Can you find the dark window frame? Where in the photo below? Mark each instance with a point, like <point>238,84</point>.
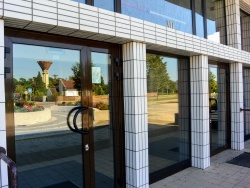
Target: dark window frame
<point>228,108</point>
<point>170,170</point>
<point>118,9</point>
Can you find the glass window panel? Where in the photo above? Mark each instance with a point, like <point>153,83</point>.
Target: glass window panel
<point>216,30</point>
<point>199,18</point>
<point>244,23</point>
<point>103,130</point>
<point>168,111</point>
<point>80,1</point>
<point>105,4</point>
<point>246,90</point>
<point>163,12</point>
<point>217,107</point>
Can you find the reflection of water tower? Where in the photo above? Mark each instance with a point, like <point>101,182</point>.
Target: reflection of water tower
<point>45,65</point>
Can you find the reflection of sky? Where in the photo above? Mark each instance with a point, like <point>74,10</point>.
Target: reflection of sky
<point>159,12</point>
<point>199,25</point>
<point>80,1</point>
<point>211,27</point>
<point>105,4</point>
<point>172,68</point>
<point>26,57</point>
<point>214,71</point>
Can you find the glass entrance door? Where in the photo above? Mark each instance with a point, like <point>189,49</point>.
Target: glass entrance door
<point>102,126</point>
<point>48,82</point>
<point>45,88</point>
<point>218,107</point>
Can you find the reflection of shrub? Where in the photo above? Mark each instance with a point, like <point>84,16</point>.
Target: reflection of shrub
<point>31,107</point>
<point>78,103</point>
<point>23,103</point>
<point>102,105</point>
<point>51,98</point>
<point>70,104</point>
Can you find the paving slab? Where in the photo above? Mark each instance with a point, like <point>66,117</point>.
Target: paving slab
<point>219,174</point>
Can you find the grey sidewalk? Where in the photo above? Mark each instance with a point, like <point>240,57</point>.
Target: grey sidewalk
<point>219,174</point>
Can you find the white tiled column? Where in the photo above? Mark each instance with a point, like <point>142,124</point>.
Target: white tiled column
<point>247,100</point>
<point>236,96</point>
<point>2,104</point>
<point>233,23</point>
<point>199,111</point>
<point>135,109</point>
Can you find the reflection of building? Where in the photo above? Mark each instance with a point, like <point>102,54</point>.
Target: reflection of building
<point>45,65</point>
<point>51,91</point>
<point>66,88</point>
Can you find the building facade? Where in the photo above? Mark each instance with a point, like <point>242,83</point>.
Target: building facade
<point>164,85</point>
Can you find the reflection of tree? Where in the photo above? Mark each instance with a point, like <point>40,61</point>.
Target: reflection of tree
<point>19,89</point>
<point>98,89</point>
<point>213,83</point>
<point>36,83</point>
<point>157,76</point>
<point>76,76</point>
<point>21,85</point>
<point>173,86</point>
<point>39,85</point>
<point>54,82</point>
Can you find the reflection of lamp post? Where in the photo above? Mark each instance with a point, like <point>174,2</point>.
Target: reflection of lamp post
<point>33,88</point>
<point>25,92</point>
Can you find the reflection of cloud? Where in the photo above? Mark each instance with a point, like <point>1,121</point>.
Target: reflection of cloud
<point>214,37</point>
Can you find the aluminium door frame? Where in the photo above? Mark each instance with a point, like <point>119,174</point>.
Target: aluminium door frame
<point>85,47</point>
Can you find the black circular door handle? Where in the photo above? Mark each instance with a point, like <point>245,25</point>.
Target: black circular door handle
<point>81,131</point>
<point>69,114</point>
<point>75,128</point>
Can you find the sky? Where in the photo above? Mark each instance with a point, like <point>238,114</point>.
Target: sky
<point>26,57</point>
<point>172,68</point>
<point>26,66</point>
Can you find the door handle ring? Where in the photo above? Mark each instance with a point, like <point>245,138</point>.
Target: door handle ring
<point>69,114</point>
<point>81,131</point>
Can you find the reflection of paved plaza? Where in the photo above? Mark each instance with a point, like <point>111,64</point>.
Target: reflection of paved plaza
<point>49,153</point>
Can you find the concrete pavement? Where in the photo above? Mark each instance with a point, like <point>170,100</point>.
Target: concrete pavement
<point>219,175</point>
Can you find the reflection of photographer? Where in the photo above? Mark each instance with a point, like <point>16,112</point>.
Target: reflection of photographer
<point>213,112</point>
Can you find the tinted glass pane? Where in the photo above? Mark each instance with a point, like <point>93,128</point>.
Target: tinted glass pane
<point>168,111</point>
<point>199,18</point>
<point>105,4</point>
<point>216,21</point>
<point>244,23</point>
<point>80,1</point>
<point>217,107</point>
<point>162,12</point>
<point>246,82</point>
<point>47,152</point>
<point>103,128</point>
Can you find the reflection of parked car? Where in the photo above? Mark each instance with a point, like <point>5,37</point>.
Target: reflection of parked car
<point>213,112</point>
